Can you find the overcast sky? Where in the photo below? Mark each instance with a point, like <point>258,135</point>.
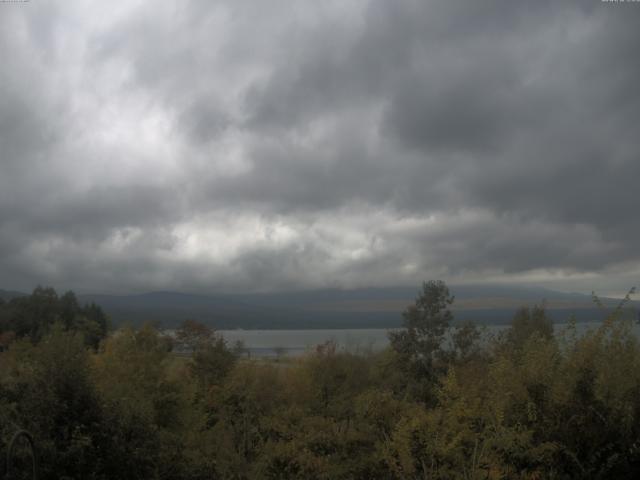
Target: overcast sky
<point>274,145</point>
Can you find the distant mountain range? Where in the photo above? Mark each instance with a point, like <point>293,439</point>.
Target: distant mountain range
<point>9,294</point>
<point>334,308</point>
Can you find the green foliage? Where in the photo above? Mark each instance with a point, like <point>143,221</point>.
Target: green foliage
<point>211,359</point>
<point>527,322</point>
<point>147,406</point>
<point>192,334</point>
<point>466,341</point>
<point>440,403</point>
<point>212,362</point>
<point>425,323</point>
<point>34,315</point>
<point>419,344</point>
<point>47,389</point>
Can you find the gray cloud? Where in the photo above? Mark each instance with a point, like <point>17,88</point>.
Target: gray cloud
<point>245,145</point>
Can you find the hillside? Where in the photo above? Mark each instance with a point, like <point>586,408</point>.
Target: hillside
<point>8,294</point>
<point>333,308</point>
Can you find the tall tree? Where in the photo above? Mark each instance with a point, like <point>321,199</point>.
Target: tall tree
<point>419,343</point>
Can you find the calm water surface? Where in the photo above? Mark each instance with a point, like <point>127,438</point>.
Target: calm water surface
<point>267,343</point>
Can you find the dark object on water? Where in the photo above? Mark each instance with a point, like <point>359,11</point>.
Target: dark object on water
<point>21,434</point>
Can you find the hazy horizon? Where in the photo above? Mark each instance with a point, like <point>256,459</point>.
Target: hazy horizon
<point>203,292</point>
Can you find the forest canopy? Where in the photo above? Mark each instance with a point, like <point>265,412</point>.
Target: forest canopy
<point>442,401</point>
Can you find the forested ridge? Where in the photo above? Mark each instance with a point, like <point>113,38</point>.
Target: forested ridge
<point>444,401</point>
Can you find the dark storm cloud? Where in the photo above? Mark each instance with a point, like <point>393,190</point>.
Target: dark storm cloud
<point>96,211</point>
<point>383,142</point>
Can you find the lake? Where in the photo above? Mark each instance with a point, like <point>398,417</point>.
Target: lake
<point>270,343</point>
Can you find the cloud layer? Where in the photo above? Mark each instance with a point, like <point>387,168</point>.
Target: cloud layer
<point>248,145</point>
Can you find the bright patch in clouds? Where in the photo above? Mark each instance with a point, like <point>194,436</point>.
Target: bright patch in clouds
<point>246,145</point>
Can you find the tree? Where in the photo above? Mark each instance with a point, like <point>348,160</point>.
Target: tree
<point>47,389</point>
<point>211,358</point>
<point>419,344</point>
<point>465,340</point>
<point>144,407</point>
<point>212,361</point>
<point>191,334</point>
<point>34,315</point>
<point>528,321</point>
<point>425,323</point>
<point>93,323</point>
